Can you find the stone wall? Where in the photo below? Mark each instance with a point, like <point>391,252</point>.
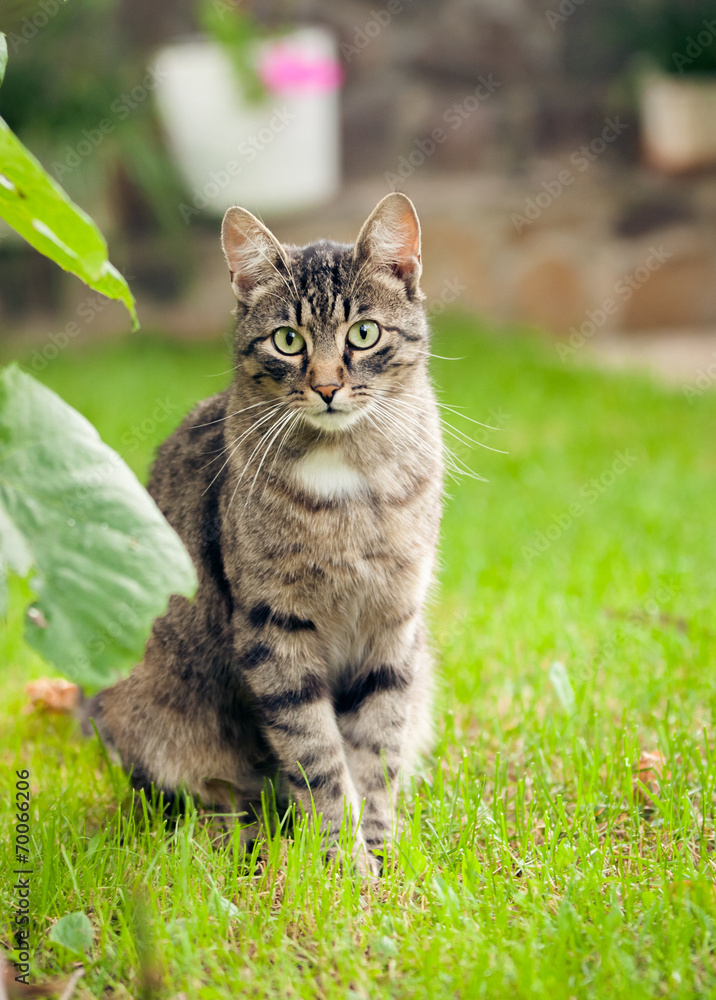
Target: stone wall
<point>627,253</point>
<point>409,62</point>
<point>613,251</point>
<point>494,115</point>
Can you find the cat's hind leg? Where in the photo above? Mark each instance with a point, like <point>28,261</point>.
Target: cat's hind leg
<point>176,747</point>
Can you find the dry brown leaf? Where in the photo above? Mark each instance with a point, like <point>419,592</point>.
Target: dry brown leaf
<point>52,694</point>
<point>649,771</point>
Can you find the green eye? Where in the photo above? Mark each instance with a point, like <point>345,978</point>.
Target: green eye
<point>364,334</point>
<point>288,341</point>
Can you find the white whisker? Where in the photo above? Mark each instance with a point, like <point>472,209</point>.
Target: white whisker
<point>263,402</point>
<point>241,436</point>
<point>455,431</point>
<point>292,423</point>
<point>288,268</point>
<point>397,421</point>
<point>353,293</point>
<point>281,425</point>
<point>453,410</point>
<point>413,414</point>
<point>236,444</point>
<point>251,457</point>
<point>441,357</point>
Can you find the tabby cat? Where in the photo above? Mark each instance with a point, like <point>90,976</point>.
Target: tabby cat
<point>308,495</point>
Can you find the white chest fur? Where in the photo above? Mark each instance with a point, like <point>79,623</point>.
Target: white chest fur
<point>324,473</point>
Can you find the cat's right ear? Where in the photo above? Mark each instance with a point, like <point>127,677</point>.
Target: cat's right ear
<point>252,252</point>
<point>390,240</point>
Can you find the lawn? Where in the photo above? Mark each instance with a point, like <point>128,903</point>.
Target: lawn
<point>559,842</point>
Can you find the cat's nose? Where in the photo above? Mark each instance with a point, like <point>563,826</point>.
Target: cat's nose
<point>326,392</point>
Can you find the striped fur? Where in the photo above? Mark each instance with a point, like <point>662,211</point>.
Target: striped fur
<point>313,528</point>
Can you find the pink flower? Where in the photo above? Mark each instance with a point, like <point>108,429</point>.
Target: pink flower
<point>285,66</point>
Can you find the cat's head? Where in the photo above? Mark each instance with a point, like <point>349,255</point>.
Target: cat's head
<point>328,327</point>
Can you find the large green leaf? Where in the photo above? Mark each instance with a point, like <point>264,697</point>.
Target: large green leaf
<point>37,207</point>
<point>3,56</point>
<point>103,559</point>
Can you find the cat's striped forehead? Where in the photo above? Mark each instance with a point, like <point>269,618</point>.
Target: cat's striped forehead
<point>323,274</point>
<point>324,287</point>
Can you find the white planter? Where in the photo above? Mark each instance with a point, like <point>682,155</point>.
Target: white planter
<point>278,155</point>
<point>678,120</point>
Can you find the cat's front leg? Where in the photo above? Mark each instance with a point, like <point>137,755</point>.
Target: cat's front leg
<point>384,716</point>
<point>298,720</point>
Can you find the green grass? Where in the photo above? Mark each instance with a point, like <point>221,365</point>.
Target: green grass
<point>532,864</point>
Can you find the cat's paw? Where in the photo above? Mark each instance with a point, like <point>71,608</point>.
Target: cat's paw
<point>366,863</point>
<point>360,860</point>
<point>377,832</point>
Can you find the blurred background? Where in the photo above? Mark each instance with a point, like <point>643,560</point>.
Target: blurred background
<point>561,154</point>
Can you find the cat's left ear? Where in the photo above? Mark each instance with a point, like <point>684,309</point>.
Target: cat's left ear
<point>390,240</point>
<point>253,253</point>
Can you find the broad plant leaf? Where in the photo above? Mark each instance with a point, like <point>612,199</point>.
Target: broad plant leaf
<point>36,206</point>
<point>3,56</point>
<point>74,932</point>
<point>102,559</point>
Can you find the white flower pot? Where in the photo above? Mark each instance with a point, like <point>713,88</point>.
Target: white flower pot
<point>678,120</point>
<point>278,155</point>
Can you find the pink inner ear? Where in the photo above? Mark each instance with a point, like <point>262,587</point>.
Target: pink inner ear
<point>234,247</point>
<point>410,231</point>
<point>249,252</point>
<point>395,240</point>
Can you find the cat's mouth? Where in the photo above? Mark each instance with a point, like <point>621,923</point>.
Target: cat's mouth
<point>331,418</point>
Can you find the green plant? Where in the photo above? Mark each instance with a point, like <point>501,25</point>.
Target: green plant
<point>37,208</point>
<point>87,110</point>
<point>669,32</point>
<point>101,559</point>
<point>666,33</point>
<point>238,32</point>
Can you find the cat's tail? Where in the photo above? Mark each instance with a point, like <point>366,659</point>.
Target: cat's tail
<point>90,715</point>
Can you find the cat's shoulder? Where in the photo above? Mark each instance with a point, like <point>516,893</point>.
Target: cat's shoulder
<point>190,449</point>
<point>207,416</point>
